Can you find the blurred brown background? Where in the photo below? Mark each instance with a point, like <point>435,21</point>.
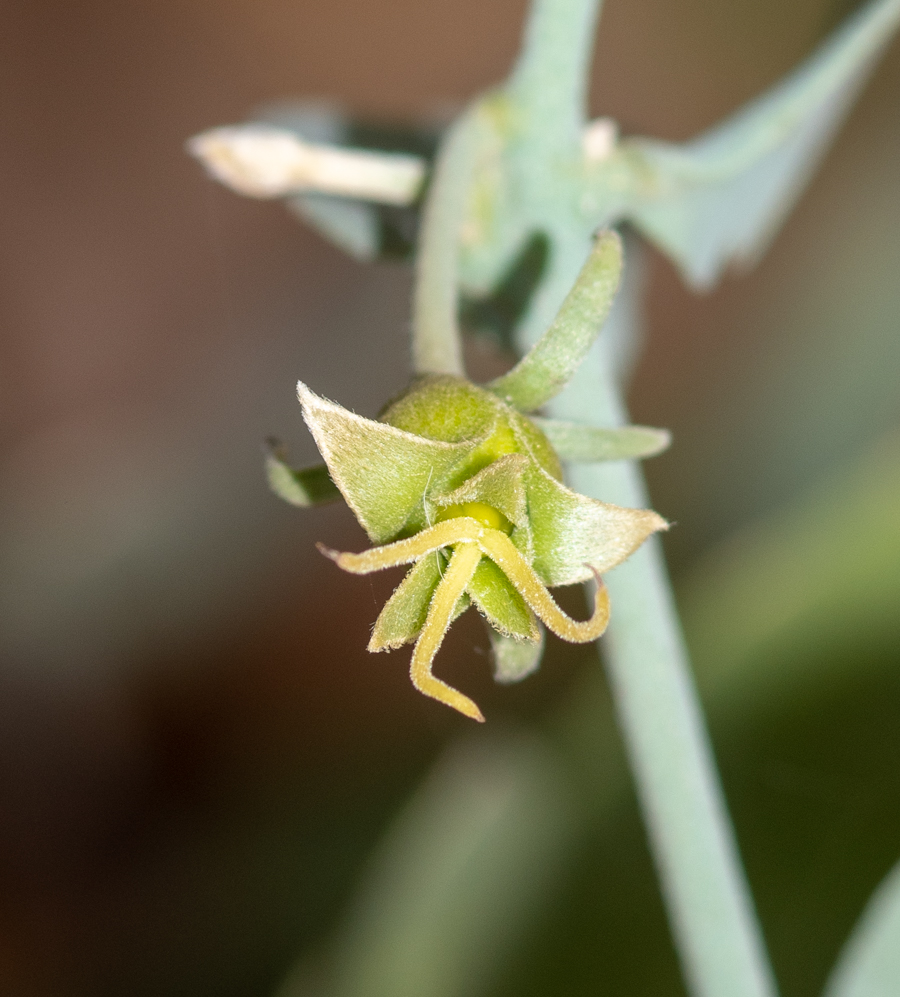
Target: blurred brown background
<point>195,748</point>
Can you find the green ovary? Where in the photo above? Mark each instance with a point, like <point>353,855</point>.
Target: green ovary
<point>480,511</point>
<point>441,407</point>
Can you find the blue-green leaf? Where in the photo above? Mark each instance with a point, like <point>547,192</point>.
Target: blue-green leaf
<point>353,226</point>
<point>869,965</point>
<point>722,196</point>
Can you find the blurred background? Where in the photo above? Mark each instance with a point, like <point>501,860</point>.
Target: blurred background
<point>196,752</point>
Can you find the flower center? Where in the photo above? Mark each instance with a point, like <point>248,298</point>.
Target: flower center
<point>485,514</point>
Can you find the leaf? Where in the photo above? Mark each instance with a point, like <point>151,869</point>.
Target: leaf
<point>382,471</point>
<point>501,604</point>
<point>260,160</point>
<point>572,531</point>
<point>576,442</point>
<point>353,226</point>
<point>514,659</point>
<point>403,616</point>
<point>773,584</point>
<point>314,120</point>
<point>305,487</point>
<point>548,366</point>
<point>869,965</point>
<point>458,875</point>
<point>722,196</point>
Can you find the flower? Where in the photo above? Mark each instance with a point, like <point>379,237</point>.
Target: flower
<point>457,481</point>
<point>469,491</point>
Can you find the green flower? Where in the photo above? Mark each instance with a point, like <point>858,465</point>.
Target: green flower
<point>456,481</point>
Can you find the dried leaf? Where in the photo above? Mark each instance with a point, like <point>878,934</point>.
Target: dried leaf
<point>265,161</point>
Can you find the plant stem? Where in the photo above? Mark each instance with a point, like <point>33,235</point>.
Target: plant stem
<point>435,342</point>
<point>552,74</point>
<point>709,904</point>
<point>708,900</point>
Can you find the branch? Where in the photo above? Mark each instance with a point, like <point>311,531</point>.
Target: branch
<point>436,341</point>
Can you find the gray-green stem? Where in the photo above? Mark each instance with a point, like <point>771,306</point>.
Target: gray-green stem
<point>709,903</point>
<point>710,908</point>
<point>552,75</point>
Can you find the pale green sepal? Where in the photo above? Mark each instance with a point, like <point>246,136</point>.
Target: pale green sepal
<point>721,196</point>
<point>586,444</point>
<point>305,487</point>
<point>500,603</point>
<point>382,472</point>
<point>549,365</point>
<point>500,485</point>
<point>869,965</point>
<point>572,531</point>
<point>514,659</point>
<point>403,616</point>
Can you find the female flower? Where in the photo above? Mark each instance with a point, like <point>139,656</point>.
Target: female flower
<point>456,481</point>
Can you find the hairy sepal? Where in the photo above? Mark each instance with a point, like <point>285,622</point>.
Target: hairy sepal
<point>586,444</point>
<point>574,533</point>
<point>515,659</point>
<point>550,364</point>
<point>501,605</point>
<point>382,472</point>
<point>304,487</point>
<point>403,616</point>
